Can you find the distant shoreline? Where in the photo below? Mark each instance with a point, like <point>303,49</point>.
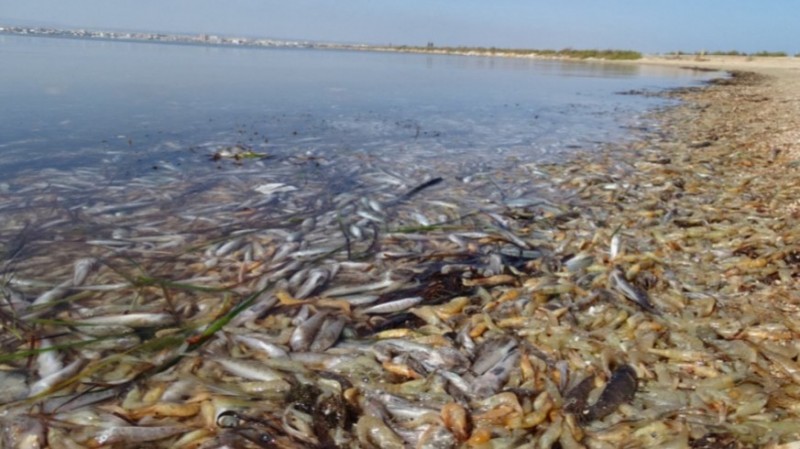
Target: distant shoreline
<point>688,61</point>
<point>609,55</point>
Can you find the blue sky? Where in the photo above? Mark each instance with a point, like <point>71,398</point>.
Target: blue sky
<point>646,25</point>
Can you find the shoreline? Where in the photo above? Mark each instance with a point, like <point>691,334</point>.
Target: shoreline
<point>714,195</point>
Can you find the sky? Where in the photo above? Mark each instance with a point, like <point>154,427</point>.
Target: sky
<point>650,26</point>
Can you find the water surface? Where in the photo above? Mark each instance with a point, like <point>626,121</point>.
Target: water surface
<point>102,142</point>
<point>129,106</point>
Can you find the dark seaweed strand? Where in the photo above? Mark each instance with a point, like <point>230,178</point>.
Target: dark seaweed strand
<point>419,188</point>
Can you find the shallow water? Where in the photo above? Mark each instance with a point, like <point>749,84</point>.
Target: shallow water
<point>98,136</point>
<point>128,106</point>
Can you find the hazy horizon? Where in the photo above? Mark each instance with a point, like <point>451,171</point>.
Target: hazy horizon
<point>712,25</point>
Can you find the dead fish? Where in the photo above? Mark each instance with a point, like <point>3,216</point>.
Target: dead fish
<point>631,292</point>
<point>48,361</point>
<point>284,251</point>
<point>346,290</point>
<point>431,358</point>
<point>248,369</point>
<point>579,262</point>
<point>134,320</point>
<point>615,248</point>
<point>101,437</point>
<point>328,333</point>
<point>228,247</point>
<point>621,389</point>
<point>304,334</point>
<point>492,352</point>
<point>394,306</point>
<point>54,294</point>
<point>82,269</point>
<point>398,407</point>
<point>356,232</point>
<point>44,384</point>
<point>316,278</point>
<point>490,382</point>
<point>264,347</point>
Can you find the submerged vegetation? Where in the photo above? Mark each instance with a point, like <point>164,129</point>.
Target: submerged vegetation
<point>609,54</point>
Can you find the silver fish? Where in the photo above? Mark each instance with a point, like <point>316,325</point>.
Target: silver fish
<point>491,381</point>
<point>249,369</point>
<point>82,269</point>
<point>303,335</point>
<point>328,333</point>
<point>393,306</point>
<point>630,291</point>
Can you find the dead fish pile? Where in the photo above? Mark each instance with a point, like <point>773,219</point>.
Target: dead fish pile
<point>619,303</point>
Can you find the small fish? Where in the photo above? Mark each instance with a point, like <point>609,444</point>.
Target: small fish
<point>264,347</point>
<point>492,352</point>
<point>328,333</point>
<point>48,382</point>
<point>82,269</point>
<point>394,306</point>
<point>430,358</point>
<point>248,369</point>
<point>134,320</point>
<point>632,292</point>
<point>490,382</point>
<point>369,216</point>
<point>579,262</point>
<point>376,206</point>
<point>228,247</point>
<point>621,389</point>
<point>304,334</point>
<point>356,232</point>
<point>54,294</point>
<point>316,278</point>
<point>128,436</point>
<point>48,361</point>
<point>616,247</point>
<point>347,290</point>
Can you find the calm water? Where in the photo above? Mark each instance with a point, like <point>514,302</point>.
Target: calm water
<point>128,107</point>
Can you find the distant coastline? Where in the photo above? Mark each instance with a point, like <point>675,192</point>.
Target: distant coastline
<point>198,39</point>
<point>227,41</point>
<point>249,42</point>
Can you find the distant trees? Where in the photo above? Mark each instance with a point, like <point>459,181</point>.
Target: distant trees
<point>563,53</point>
<point>776,54</point>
